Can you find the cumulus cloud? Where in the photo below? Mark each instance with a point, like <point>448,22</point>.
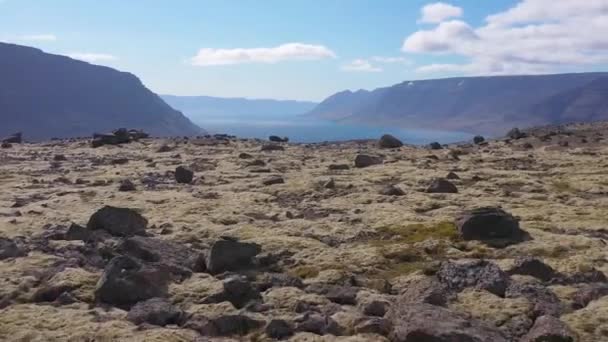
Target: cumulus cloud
<point>534,36</point>
<point>285,52</point>
<point>92,57</point>
<point>360,65</point>
<point>438,12</point>
<point>37,38</point>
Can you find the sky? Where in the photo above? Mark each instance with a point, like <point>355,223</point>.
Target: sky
<point>308,50</point>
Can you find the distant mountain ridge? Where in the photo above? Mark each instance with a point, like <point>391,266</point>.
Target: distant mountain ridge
<point>46,95</point>
<point>204,107</point>
<point>475,104</point>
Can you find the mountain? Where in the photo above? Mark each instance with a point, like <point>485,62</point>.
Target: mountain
<point>487,105</point>
<point>200,108</point>
<point>45,95</point>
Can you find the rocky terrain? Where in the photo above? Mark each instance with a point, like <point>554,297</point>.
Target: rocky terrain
<point>217,238</point>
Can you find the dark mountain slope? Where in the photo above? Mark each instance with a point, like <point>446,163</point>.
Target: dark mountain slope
<point>471,104</point>
<point>47,95</point>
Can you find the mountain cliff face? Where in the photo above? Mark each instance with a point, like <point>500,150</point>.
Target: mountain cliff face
<point>205,107</point>
<point>45,95</point>
<point>476,104</point>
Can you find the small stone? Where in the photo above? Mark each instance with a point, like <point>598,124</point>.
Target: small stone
<point>392,190</point>
<point>273,180</point>
<point>275,138</point>
<point>478,139</point>
<point>336,167</point>
<point>452,175</point>
<point>227,255</point>
<point>156,311</point>
<point>118,221</point>
<point>442,186</point>
<point>279,329</point>
<point>364,160</point>
<point>126,185</point>
<point>435,146</point>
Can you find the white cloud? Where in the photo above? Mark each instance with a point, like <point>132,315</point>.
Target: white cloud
<point>92,57</point>
<point>391,60</point>
<point>289,51</point>
<point>535,36</point>
<point>37,38</point>
<point>360,65</point>
<point>438,12</point>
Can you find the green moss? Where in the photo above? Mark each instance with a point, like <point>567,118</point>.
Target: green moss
<point>402,269</point>
<point>420,232</point>
<point>305,272</point>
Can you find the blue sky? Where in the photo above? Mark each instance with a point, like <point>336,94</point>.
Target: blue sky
<point>311,49</point>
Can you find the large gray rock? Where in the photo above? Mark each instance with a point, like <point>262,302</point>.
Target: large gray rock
<point>126,281</point>
<point>228,255</point>
<point>10,249</point>
<point>183,175</point>
<point>118,221</point>
<point>544,301</point>
<point>156,311</point>
<point>479,274</point>
<point>426,290</point>
<point>430,323</point>
<point>549,329</point>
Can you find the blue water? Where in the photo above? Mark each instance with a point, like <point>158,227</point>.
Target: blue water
<point>306,130</point>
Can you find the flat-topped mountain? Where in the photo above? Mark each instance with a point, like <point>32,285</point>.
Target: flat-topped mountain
<point>47,95</point>
<point>475,104</point>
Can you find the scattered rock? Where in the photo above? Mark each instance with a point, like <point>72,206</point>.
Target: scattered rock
<point>228,255</point>
<point>183,175</point>
<point>126,185</point>
<point>452,175</point>
<point>392,190</point>
<point>329,184</point>
<point>344,295</point>
<point>543,299</point>
<point>488,223</point>
<point>589,293</point>
<point>373,325</point>
<point>533,267</point>
<point>441,186</point>
<point>118,221</point>
<point>238,291</point>
<point>126,282</point>
<point>272,147</point>
<point>278,139</point>
<point>389,141</point>
<point>265,281</point>
<point>336,167</point>
<point>364,160</point>
<point>425,322</point>
<point>479,274</point>
<point>377,308</point>
<point>426,290</point>
<point>59,157</point>
<point>156,311</point>
<point>318,324</point>
<point>117,137</point>
<point>10,249</point>
<point>6,145</point>
<point>245,156</point>
<point>435,146</point>
<point>227,325</point>
<point>478,139</point>
<point>549,329</point>
<point>272,180</point>
<point>279,329</point>
<point>515,134</point>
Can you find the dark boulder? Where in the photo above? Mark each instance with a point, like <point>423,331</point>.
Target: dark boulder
<point>126,185</point>
<point>478,139</point>
<point>549,329</point>
<point>227,325</point>
<point>478,274</point>
<point>183,175</point>
<point>118,221</point>
<point>318,324</point>
<point>155,311</point>
<point>488,223</point>
<point>228,255</point>
<point>6,145</point>
<point>279,329</point>
<point>239,291</point>
<point>278,139</point>
<point>59,157</point>
<point>16,138</point>
<point>389,141</point>
<point>344,295</point>
<point>430,323</point>
<point>544,301</point>
<point>10,249</point>
<point>441,186</point>
<point>435,146</point>
<point>364,160</point>
<point>452,175</point>
<point>373,325</point>
<point>126,281</point>
<point>533,267</point>
<point>245,156</point>
<point>337,167</point>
